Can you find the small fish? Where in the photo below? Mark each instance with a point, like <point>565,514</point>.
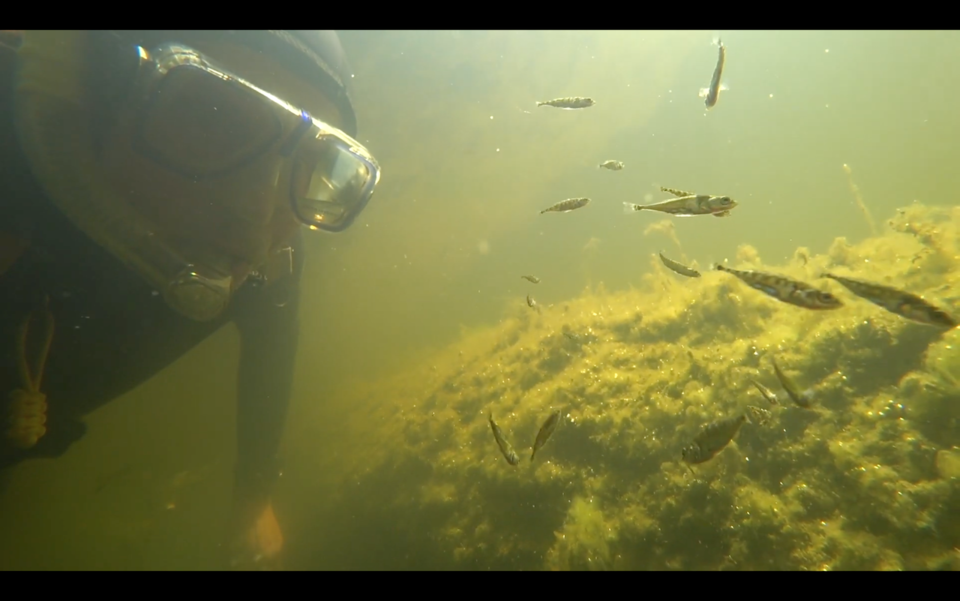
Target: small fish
<point>531,278</point>
<point>611,165</point>
<point>508,453</point>
<point>687,204</point>
<point>786,290</point>
<point>565,206</point>
<point>712,439</point>
<point>712,94</point>
<point>897,301</point>
<point>570,334</point>
<point>801,398</point>
<point>533,304</point>
<point>678,268</point>
<point>765,392</point>
<point>758,415</point>
<point>575,102</point>
<point>546,430</point>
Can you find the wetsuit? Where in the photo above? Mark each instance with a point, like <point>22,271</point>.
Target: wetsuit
<point>114,332</point>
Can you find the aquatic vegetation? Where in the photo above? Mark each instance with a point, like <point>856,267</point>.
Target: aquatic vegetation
<point>866,478</point>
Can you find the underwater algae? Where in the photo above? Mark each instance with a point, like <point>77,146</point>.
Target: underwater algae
<point>867,478</point>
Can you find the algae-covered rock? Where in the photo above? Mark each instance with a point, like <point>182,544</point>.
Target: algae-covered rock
<point>865,478</point>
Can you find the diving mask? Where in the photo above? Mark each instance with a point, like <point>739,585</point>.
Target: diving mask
<point>193,128</point>
<point>202,122</point>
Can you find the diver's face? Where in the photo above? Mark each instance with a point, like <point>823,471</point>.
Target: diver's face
<point>240,219</point>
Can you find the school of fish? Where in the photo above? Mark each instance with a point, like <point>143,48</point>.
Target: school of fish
<point>716,435</point>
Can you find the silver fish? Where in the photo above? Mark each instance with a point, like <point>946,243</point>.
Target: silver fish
<point>801,398</point>
<point>508,453</point>
<point>765,392</point>
<point>546,430</point>
<point>531,278</point>
<point>786,290</point>
<point>611,165</point>
<point>565,206</point>
<point>712,439</point>
<point>687,204</point>
<point>533,304</point>
<point>712,94</point>
<point>573,102</point>
<point>897,301</point>
<point>678,268</point>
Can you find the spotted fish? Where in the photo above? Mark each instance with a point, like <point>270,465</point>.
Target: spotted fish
<point>546,431</point>
<point>896,301</point>
<point>786,290</point>
<point>678,268</point>
<point>712,439</point>
<point>573,102</point>
<point>687,204</point>
<point>758,415</point>
<point>565,206</point>
<point>505,447</point>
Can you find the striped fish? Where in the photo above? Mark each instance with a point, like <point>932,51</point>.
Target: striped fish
<point>786,290</point>
<point>897,301</point>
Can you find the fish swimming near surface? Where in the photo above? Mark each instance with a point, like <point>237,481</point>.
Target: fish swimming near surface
<point>565,206</point>
<point>611,165</point>
<point>900,302</point>
<point>803,398</point>
<point>687,204</point>
<point>546,431</point>
<point>570,103</point>
<point>712,439</point>
<point>712,94</point>
<point>784,289</point>
<point>531,278</point>
<point>678,268</point>
<point>505,447</point>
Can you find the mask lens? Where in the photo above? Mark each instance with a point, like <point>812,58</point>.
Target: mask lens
<point>332,184</point>
<point>200,125</point>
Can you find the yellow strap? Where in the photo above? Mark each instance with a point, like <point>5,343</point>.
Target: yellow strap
<point>32,381</point>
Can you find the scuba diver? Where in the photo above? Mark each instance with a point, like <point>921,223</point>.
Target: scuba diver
<point>155,185</point>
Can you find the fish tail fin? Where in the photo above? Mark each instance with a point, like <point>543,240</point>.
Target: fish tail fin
<point>629,207</point>
<point>540,103</point>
